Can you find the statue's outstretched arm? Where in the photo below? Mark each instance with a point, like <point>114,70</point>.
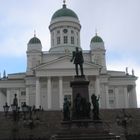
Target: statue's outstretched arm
<point>73,56</point>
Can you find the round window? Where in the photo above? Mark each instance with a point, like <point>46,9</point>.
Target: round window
<point>65,31</point>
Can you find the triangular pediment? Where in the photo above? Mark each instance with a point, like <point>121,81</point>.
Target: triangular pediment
<point>64,63</point>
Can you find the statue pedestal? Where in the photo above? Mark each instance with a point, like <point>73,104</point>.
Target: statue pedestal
<point>80,126</point>
<point>80,96</point>
<point>80,85</point>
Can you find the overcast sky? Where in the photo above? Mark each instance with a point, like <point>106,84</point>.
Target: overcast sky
<point>116,21</point>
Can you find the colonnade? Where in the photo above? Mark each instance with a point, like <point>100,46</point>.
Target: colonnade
<point>127,96</point>
<point>49,93</point>
<point>60,92</point>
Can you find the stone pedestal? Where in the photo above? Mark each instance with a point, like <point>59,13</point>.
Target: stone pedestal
<point>80,86</point>
<point>80,96</point>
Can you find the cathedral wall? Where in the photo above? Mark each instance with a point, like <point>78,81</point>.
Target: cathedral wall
<point>118,97</point>
<point>67,90</point>
<point>91,86</point>
<point>111,95</point>
<point>46,57</point>
<point>32,92</point>
<point>121,97</point>
<point>103,101</point>
<point>2,100</point>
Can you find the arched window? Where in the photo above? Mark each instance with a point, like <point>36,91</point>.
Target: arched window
<point>72,39</point>
<point>65,39</point>
<point>58,40</point>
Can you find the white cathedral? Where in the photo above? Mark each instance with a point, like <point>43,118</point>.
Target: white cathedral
<point>47,78</point>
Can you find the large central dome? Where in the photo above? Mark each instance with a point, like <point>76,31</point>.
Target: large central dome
<point>65,30</point>
<point>64,12</point>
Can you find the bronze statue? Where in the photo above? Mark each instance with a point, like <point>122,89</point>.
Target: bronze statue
<point>78,59</point>
<point>95,103</point>
<point>15,100</point>
<point>78,105</point>
<point>81,107</point>
<point>66,109</point>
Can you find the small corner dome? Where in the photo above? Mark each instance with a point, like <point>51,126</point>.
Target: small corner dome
<point>34,44</point>
<point>64,12</point>
<point>97,39</point>
<point>34,40</point>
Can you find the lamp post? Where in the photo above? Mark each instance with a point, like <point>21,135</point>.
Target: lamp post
<point>28,122</point>
<point>31,122</point>
<point>15,108</point>
<point>123,120</point>
<point>6,109</point>
<point>24,109</point>
<point>28,115</point>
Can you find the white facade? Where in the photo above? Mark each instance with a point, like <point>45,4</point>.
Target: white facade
<point>48,75</point>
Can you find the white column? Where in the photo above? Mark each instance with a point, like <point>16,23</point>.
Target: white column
<point>49,99</point>
<point>8,97</point>
<point>107,96</point>
<point>18,92</point>
<point>61,92</point>
<point>116,97</point>
<point>27,95</point>
<point>125,97</point>
<point>37,97</point>
<point>97,88</point>
<point>134,97</point>
<point>130,99</point>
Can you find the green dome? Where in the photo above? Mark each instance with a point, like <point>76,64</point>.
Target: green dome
<point>96,39</point>
<point>34,40</point>
<point>64,12</point>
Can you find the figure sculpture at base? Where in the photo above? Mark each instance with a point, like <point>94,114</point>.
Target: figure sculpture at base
<point>66,109</point>
<point>95,103</point>
<point>78,59</point>
<point>81,107</point>
<point>77,106</point>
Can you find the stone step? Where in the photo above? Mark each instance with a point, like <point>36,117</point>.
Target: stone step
<point>86,138</point>
<point>79,132</point>
<point>63,136</point>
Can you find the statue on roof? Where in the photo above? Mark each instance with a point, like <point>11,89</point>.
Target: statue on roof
<point>133,72</point>
<point>64,1</point>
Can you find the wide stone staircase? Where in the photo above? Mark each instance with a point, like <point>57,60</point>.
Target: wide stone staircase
<point>50,126</point>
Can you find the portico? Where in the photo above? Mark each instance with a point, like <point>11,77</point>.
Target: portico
<point>56,82</point>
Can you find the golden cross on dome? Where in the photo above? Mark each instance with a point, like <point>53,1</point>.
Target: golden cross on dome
<point>96,31</point>
<point>34,33</point>
<point>64,1</point>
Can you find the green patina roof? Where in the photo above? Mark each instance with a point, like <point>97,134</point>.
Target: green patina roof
<point>34,40</point>
<point>96,39</point>
<point>64,12</point>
